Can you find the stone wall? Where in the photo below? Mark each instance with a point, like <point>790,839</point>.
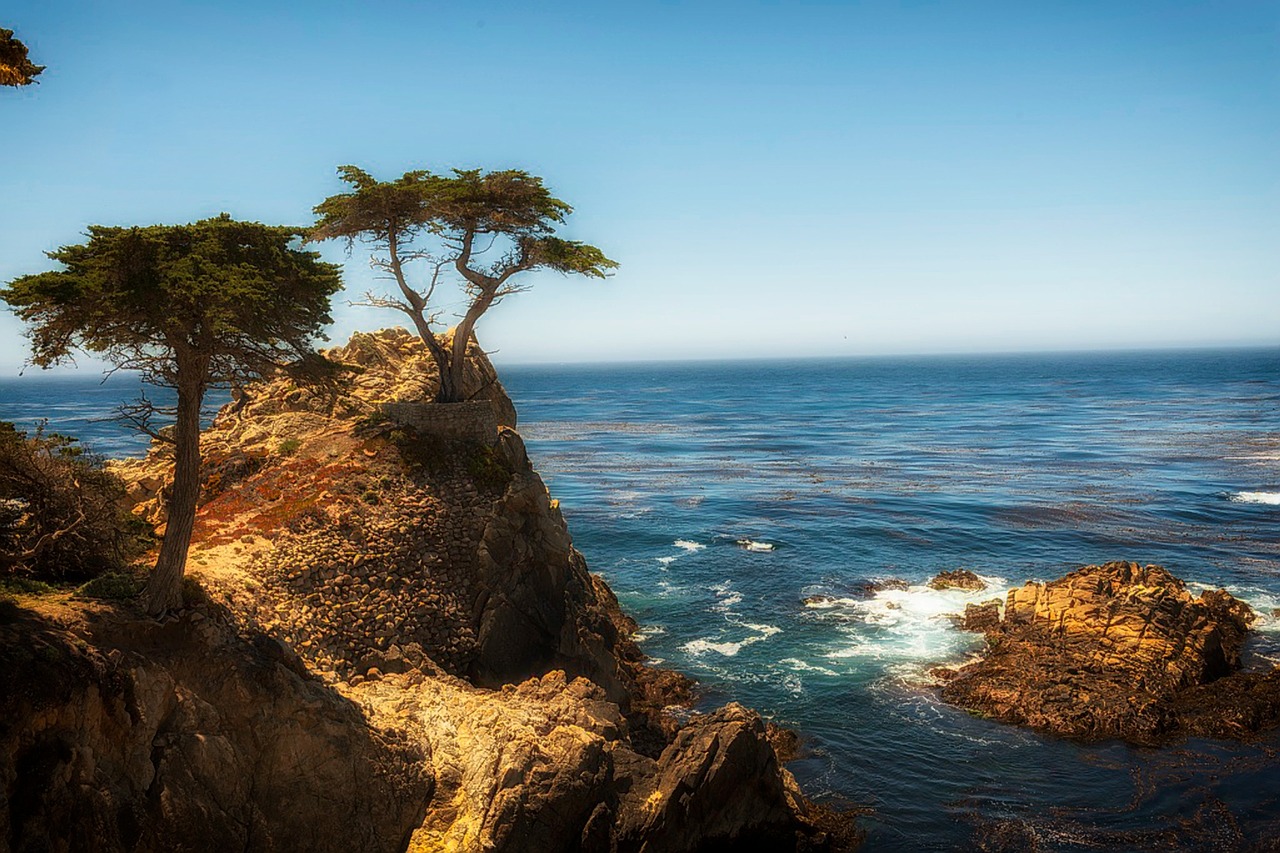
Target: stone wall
<point>473,420</point>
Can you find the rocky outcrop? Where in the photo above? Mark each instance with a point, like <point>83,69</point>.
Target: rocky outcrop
<point>429,578</point>
<point>120,733</point>
<point>367,540</point>
<point>982,617</point>
<point>957,579</point>
<point>1118,650</point>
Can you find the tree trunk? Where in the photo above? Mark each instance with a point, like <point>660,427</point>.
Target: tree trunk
<point>164,587</point>
<point>458,358</point>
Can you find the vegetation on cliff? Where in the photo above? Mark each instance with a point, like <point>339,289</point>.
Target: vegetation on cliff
<point>422,572</point>
<point>60,513</point>
<point>216,302</point>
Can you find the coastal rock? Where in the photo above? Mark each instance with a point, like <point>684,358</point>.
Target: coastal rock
<point>982,617</point>
<point>957,579</point>
<point>120,733</point>
<point>1118,650</point>
<point>883,584</point>
<point>718,783</point>
<point>430,579</point>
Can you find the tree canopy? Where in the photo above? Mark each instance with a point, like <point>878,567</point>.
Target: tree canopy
<point>483,227</point>
<point>15,68</point>
<point>189,306</point>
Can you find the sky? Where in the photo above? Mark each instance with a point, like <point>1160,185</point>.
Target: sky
<point>775,178</point>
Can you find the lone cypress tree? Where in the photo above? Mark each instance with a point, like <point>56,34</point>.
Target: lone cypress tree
<point>213,303</point>
<point>484,227</point>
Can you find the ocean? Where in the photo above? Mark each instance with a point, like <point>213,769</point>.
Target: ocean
<point>716,497</point>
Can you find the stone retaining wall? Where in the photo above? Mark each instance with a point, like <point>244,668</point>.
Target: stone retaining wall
<point>475,420</point>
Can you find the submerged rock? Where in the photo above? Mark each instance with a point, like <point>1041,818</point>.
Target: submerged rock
<point>957,579</point>
<point>1118,650</point>
<point>883,584</point>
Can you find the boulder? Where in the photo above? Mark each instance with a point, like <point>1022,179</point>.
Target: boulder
<point>1118,650</point>
<point>957,579</point>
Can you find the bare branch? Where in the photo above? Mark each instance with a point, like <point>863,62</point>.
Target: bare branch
<point>138,416</point>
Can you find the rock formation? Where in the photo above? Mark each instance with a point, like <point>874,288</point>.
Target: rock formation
<point>1118,650</point>
<point>957,579</point>
<point>121,733</point>
<point>414,569</point>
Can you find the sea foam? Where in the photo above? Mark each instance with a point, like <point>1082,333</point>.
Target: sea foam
<point>1269,498</point>
<point>915,624</point>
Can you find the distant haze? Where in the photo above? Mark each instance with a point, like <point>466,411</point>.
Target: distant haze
<point>775,179</point>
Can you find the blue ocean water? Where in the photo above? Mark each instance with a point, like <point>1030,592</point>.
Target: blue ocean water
<point>717,497</point>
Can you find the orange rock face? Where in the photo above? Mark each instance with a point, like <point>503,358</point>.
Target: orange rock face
<point>1117,650</point>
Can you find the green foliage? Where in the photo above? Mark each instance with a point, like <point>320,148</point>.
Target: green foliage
<point>113,586</point>
<point>222,299</point>
<point>15,68</point>
<point>193,594</point>
<point>510,201</point>
<point>13,586</point>
<point>439,456</point>
<point>376,210</point>
<point>60,511</point>
<point>486,468</point>
<point>288,446</point>
<point>568,256</point>
<point>483,227</point>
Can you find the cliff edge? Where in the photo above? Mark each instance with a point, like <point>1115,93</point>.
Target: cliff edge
<point>403,560</point>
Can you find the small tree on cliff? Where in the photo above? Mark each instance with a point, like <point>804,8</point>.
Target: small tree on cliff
<point>15,68</point>
<point>485,227</point>
<point>213,303</point>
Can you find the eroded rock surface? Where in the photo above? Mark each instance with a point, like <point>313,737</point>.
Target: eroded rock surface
<point>1118,650</point>
<point>957,579</point>
<point>431,582</point>
<point>121,733</point>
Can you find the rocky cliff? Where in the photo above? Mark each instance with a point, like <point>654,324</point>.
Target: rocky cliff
<point>404,561</point>
<point>1118,650</point>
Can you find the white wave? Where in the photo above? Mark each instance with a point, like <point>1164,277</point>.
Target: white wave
<point>728,648</point>
<point>801,666</point>
<point>666,561</point>
<point>753,545</point>
<point>827,602</point>
<point>1265,604</point>
<point>700,647</point>
<point>666,589</point>
<point>689,545</point>
<point>647,632</point>
<point>902,625</point>
<point>1268,498</point>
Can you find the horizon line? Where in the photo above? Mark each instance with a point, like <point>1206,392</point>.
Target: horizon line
<point>65,372</point>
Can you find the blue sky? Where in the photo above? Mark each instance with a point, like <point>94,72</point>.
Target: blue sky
<point>775,178</point>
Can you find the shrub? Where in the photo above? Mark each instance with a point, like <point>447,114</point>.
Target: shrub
<point>113,586</point>
<point>61,514</point>
<point>288,446</point>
